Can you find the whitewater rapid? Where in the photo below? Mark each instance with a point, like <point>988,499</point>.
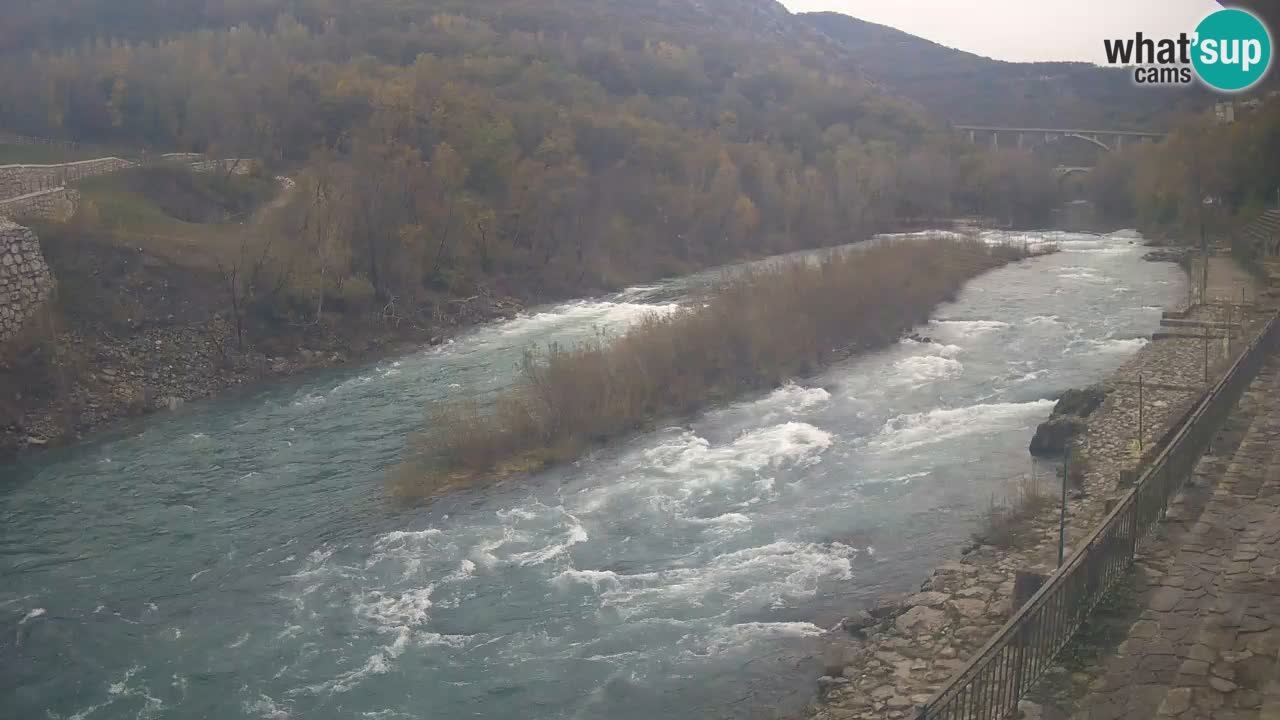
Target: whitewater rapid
<point>241,558</point>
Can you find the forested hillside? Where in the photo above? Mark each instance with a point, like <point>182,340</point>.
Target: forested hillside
<point>969,89</point>
<point>1162,187</point>
<point>537,147</point>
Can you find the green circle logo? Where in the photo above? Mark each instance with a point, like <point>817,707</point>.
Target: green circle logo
<point>1232,50</point>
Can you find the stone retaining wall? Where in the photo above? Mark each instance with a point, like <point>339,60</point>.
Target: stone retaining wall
<point>57,204</point>
<point>25,282</point>
<point>17,180</point>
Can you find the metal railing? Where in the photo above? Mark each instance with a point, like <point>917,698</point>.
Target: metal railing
<point>989,686</point>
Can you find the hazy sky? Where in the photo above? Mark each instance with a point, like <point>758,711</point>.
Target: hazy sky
<point>1024,30</point>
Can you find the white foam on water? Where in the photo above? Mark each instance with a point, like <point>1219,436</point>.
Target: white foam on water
<point>574,535</point>
<point>595,579</point>
<point>309,399</point>
<point>899,480</point>
<point>762,576</point>
<point>613,315</point>
<point>797,398</point>
<point>1044,320</point>
<point>960,329</point>
<point>266,708</point>
<point>920,370</point>
<point>1108,250</point>
<point>1127,234</point>
<point>152,706</point>
<point>1082,274</point>
<point>1116,345</point>
<point>403,616</point>
<point>743,636</point>
<point>933,348</point>
<point>483,552</point>
<point>516,513</point>
<point>393,611</point>
<point>699,465</point>
<point>351,383</point>
<point>32,615</point>
<point>636,291</point>
<point>466,570</point>
<point>389,714</point>
<point>907,432</point>
<point>732,518</point>
<point>922,235</point>
<point>402,538</point>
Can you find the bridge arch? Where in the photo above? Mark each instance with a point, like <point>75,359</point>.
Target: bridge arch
<point>1088,139</point>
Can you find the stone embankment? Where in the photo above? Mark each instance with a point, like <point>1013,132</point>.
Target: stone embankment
<point>25,282</point>
<point>1205,642</point>
<point>16,180</point>
<point>895,656</point>
<point>58,203</point>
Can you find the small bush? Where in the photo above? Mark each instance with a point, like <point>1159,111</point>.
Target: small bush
<point>1007,524</point>
<point>767,324</point>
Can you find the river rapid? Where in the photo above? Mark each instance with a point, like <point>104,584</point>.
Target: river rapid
<point>241,558</point>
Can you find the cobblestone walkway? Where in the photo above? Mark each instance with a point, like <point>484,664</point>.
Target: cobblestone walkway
<point>1206,644</point>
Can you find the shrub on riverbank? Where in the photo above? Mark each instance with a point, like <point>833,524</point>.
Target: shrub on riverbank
<point>767,324</point>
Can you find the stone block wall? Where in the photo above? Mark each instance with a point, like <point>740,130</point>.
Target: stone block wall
<point>16,180</point>
<point>234,166</point>
<point>25,281</point>
<point>56,204</point>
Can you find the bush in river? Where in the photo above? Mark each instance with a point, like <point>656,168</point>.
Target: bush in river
<point>767,324</point>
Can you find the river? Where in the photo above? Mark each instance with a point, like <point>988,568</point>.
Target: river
<point>241,558</point>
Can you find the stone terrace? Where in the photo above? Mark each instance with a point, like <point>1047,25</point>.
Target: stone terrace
<point>1206,644</point>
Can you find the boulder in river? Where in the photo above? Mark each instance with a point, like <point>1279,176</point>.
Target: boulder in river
<point>1055,434</point>
<point>1067,420</point>
<point>857,623</point>
<point>1080,402</point>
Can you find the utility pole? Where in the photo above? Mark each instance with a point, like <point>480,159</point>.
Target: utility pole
<point>1062,511</point>
<point>1206,355</point>
<point>1197,180</point>
<point>1230,335</point>
<point>1140,418</point>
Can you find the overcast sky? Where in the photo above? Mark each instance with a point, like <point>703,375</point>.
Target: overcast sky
<point>1024,30</point>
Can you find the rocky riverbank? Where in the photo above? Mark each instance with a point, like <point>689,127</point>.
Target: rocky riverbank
<point>91,373</point>
<point>887,661</point>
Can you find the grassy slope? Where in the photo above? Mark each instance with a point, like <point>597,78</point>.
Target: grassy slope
<point>188,219</point>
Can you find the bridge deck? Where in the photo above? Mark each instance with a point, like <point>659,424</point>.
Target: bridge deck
<point>1126,133</point>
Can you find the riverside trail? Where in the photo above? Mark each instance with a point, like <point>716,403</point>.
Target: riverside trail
<point>242,559</point>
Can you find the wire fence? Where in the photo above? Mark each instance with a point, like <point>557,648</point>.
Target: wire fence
<point>990,685</point>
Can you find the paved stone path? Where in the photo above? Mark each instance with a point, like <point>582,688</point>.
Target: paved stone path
<point>1206,644</point>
